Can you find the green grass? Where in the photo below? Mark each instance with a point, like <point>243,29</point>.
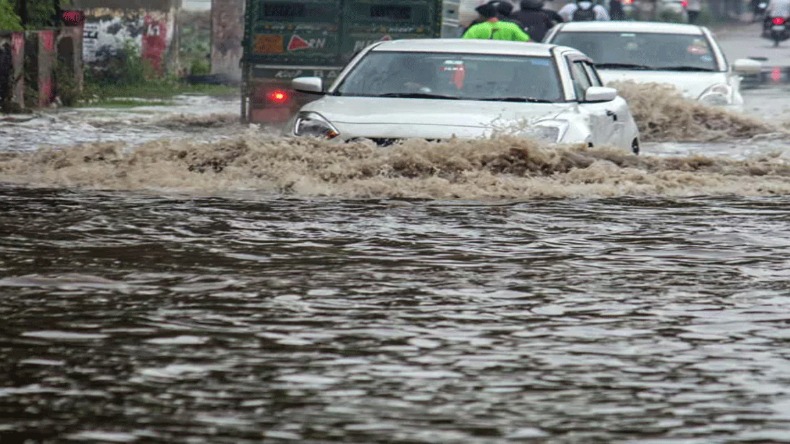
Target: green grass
<point>153,93</point>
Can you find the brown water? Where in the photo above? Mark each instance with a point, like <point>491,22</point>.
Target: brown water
<point>228,286</point>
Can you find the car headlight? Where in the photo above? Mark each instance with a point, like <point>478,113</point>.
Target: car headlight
<point>547,130</point>
<point>310,124</point>
<point>717,95</point>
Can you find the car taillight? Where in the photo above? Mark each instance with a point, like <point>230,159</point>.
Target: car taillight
<point>778,21</point>
<point>278,96</point>
<point>776,75</point>
<point>684,3</point>
<point>628,2</point>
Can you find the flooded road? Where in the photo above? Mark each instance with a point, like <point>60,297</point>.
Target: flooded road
<point>225,286</point>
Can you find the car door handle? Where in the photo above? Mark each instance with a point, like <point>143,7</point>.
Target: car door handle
<point>611,114</point>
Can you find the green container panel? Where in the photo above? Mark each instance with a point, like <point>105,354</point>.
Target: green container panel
<point>330,32</point>
<point>285,32</point>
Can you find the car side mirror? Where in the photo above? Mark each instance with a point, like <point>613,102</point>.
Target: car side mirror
<point>310,85</point>
<point>747,66</point>
<point>600,94</point>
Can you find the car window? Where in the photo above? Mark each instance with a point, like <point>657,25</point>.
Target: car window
<point>458,76</point>
<point>592,74</point>
<point>580,80</point>
<point>645,50</point>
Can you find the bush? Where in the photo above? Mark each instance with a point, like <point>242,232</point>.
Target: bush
<point>199,68</point>
<point>68,88</point>
<point>122,67</point>
<point>9,21</point>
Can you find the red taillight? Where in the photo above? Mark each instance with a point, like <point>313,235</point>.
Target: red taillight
<point>776,74</point>
<point>278,96</point>
<point>628,2</point>
<point>778,21</point>
<point>684,3</point>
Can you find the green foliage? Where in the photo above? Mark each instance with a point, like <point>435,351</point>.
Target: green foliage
<point>68,88</point>
<point>195,42</point>
<point>40,13</point>
<point>156,92</point>
<point>200,67</point>
<point>125,67</point>
<point>125,79</point>
<point>9,21</point>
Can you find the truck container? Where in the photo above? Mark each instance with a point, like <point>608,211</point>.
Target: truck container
<point>285,39</point>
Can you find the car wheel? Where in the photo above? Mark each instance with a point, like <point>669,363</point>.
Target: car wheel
<point>635,146</point>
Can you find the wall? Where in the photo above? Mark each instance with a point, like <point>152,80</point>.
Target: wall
<point>147,24</point>
<point>29,67</point>
<point>227,32</point>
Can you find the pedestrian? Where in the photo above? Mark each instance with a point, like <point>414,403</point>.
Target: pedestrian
<point>583,10</point>
<point>693,9</point>
<point>616,11</point>
<point>492,28</point>
<point>533,19</point>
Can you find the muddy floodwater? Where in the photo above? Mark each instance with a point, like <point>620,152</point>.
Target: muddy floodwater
<point>169,275</point>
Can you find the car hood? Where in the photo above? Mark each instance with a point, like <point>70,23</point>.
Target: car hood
<point>427,118</point>
<point>691,84</point>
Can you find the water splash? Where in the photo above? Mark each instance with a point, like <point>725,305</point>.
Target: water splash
<point>663,114</point>
<point>497,168</point>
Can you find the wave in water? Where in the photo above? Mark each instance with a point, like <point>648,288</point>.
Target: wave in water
<point>497,168</point>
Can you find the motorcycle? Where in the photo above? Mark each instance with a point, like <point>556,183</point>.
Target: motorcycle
<point>758,9</point>
<point>776,29</point>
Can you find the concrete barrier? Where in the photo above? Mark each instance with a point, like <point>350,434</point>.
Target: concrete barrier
<point>28,62</point>
<point>12,71</point>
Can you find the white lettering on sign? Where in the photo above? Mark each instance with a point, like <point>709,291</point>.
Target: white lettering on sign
<point>361,44</point>
<point>288,74</point>
<point>298,43</point>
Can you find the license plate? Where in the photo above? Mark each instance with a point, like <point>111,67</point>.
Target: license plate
<point>778,28</point>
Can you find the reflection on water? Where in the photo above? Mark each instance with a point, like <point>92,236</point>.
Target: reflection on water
<point>141,317</point>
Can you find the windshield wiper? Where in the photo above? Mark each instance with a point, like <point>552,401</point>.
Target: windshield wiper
<point>417,96</point>
<point>516,99</point>
<point>623,65</point>
<point>685,68</point>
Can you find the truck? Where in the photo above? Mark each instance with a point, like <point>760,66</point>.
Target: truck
<point>285,39</point>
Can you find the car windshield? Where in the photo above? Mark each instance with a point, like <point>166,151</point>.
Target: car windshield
<point>453,76</point>
<point>655,51</point>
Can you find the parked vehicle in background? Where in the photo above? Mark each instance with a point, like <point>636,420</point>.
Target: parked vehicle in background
<point>464,88</point>
<point>643,10</point>
<point>686,56</point>
<point>284,39</point>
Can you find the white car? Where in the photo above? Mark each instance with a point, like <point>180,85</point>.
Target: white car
<point>686,56</point>
<point>443,88</point>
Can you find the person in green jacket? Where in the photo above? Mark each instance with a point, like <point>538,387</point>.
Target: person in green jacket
<point>493,28</point>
